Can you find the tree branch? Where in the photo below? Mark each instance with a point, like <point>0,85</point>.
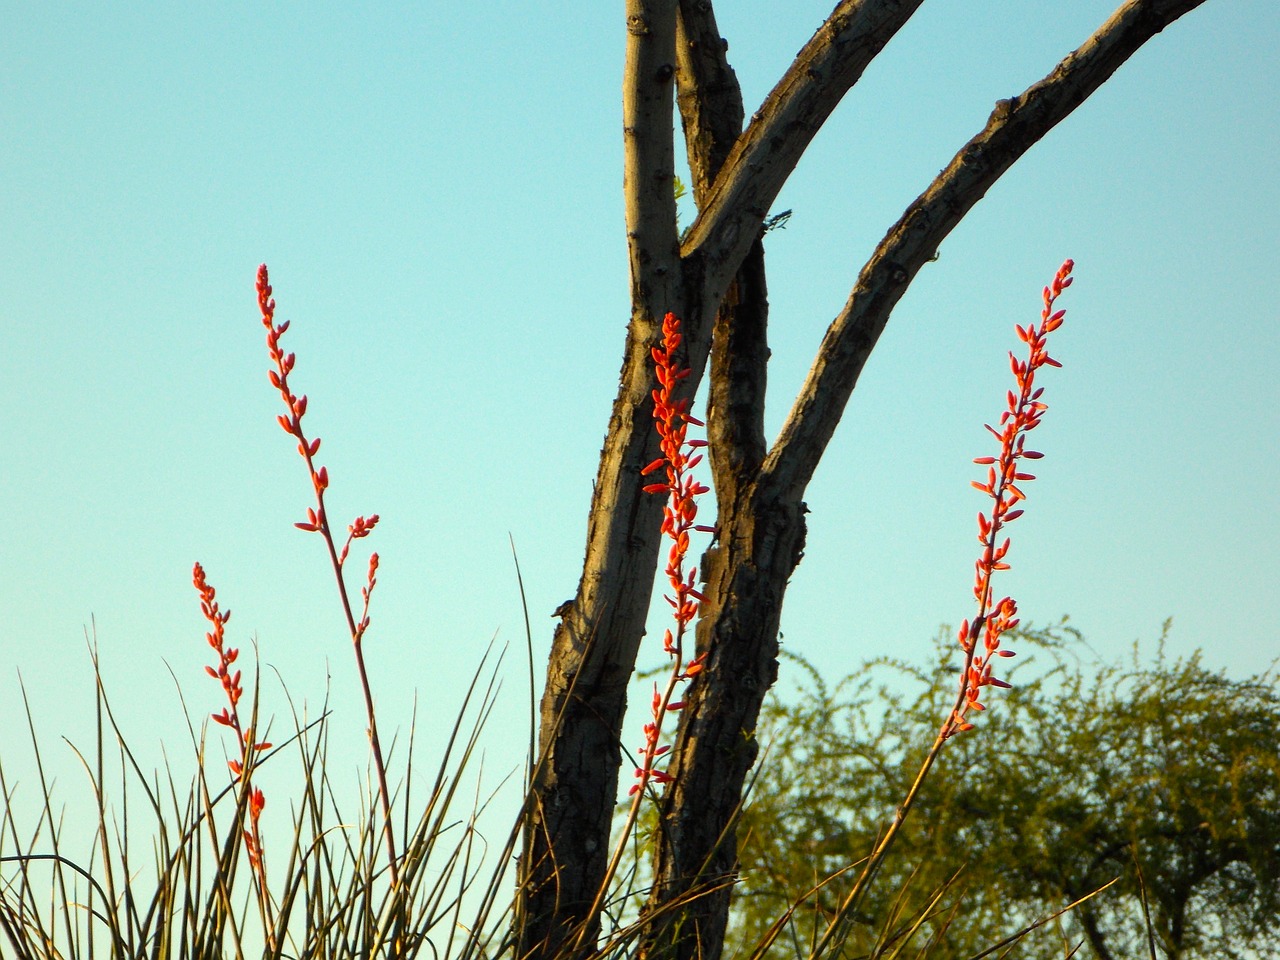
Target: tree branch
<point>707,93</point>
<point>780,131</point>
<point>1014,126</point>
<point>648,166</point>
<point>594,648</point>
<point>710,102</point>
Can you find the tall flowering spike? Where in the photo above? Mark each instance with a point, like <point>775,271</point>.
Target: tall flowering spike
<point>1003,484</point>
<point>672,420</point>
<point>317,521</point>
<point>248,744</point>
<point>679,456</point>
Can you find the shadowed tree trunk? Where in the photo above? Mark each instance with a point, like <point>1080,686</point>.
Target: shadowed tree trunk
<point>714,279</point>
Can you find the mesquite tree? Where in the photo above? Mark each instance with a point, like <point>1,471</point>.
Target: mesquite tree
<point>713,277</point>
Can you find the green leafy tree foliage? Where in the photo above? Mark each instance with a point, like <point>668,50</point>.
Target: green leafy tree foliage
<point>1163,777</point>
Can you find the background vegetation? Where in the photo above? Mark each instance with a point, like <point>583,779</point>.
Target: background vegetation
<point>1159,774</point>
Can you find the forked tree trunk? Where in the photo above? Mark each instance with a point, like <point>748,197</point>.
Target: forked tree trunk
<point>714,279</point>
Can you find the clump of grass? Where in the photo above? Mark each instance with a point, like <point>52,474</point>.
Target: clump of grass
<point>332,894</point>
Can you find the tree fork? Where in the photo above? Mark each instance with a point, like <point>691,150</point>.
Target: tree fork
<point>761,531</point>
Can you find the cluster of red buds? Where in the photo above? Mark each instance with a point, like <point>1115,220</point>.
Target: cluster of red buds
<point>679,457</point>
<point>229,716</point>
<point>317,520</point>
<point>1023,415</point>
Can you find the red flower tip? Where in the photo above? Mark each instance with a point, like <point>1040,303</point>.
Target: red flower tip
<point>655,465</point>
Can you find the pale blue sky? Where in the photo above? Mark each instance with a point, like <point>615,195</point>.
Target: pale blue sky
<point>436,188</point>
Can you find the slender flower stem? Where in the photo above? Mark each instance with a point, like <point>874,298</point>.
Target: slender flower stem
<point>318,522</point>
<point>1023,414</point>
<point>679,457</point>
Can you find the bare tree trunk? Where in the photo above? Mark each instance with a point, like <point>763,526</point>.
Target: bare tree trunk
<point>593,654</point>
<point>718,272</point>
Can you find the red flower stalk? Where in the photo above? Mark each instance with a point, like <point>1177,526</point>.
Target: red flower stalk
<point>1002,485</point>
<point>1024,412</point>
<point>230,717</point>
<point>679,457</point>
<point>318,522</point>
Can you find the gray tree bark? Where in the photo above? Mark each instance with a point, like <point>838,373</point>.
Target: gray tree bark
<point>714,280</point>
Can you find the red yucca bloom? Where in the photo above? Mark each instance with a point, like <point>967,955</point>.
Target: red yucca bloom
<point>679,457</point>
<point>1002,485</point>
<point>317,518</point>
<point>672,418</point>
<point>229,716</point>
<point>318,522</point>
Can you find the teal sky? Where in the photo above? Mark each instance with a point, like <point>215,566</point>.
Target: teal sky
<point>437,190</point>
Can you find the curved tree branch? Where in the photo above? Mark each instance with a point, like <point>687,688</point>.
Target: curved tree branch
<point>1014,126</point>
<point>780,131</point>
